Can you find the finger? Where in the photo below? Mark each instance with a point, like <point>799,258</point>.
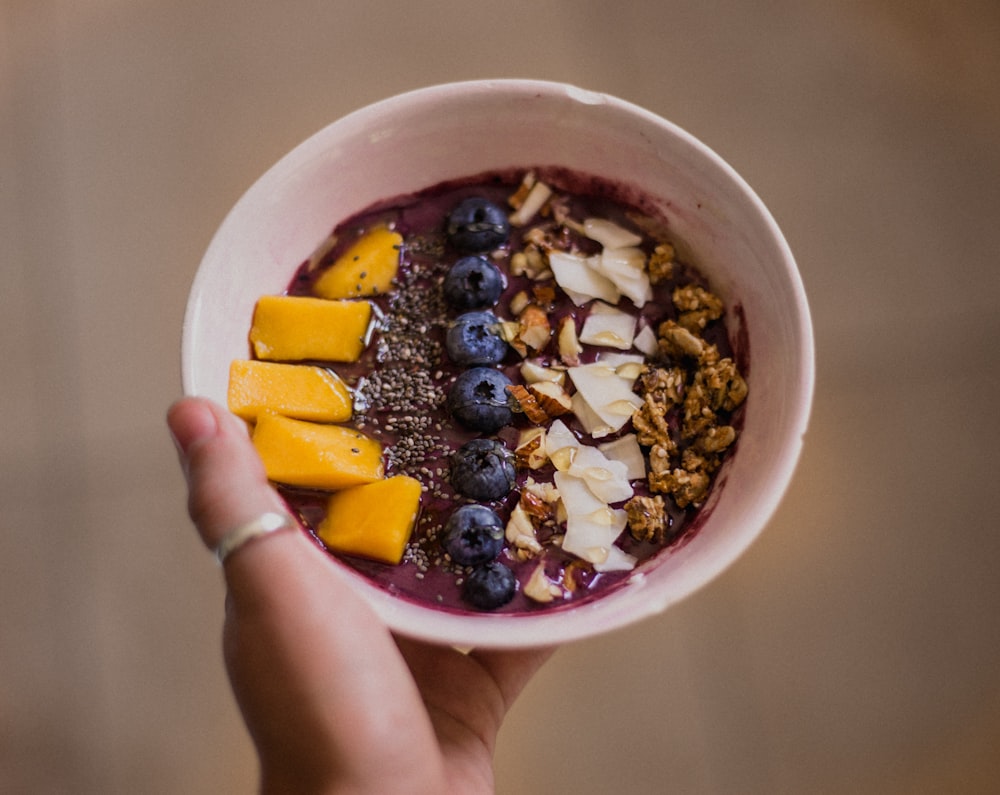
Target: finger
<point>511,670</point>
<point>475,689</point>
<point>226,480</point>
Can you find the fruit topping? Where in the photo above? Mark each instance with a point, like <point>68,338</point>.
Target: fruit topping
<point>474,338</point>
<point>314,455</point>
<point>483,469</point>
<point>473,535</point>
<point>374,520</point>
<point>473,283</point>
<point>367,268</point>
<point>478,225</point>
<point>478,399</point>
<point>490,586</point>
<point>295,390</point>
<point>293,328</point>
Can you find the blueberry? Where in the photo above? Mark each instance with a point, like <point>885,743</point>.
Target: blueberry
<point>477,224</point>
<point>473,282</point>
<point>479,399</point>
<point>483,469</point>
<point>475,339</point>
<point>473,534</point>
<point>490,586</point>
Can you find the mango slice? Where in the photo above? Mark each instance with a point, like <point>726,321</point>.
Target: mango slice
<point>366,268</point>
<point>294,390</point>
<point>293,328</point>
<point>372,521</point>
<point>316,456</point>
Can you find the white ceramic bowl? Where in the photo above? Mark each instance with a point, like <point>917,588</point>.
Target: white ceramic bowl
<point>421,138</point>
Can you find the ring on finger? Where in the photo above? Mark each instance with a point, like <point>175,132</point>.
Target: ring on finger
<point>238,537</point>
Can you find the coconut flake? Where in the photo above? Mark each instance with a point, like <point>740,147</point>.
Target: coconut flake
<point>626,450</point>
<point>646,342</point>
<point>616,560</point>
<point>626,269</point>
<point>607,479</point>
<point>608,326</point>
<point>607,393</point>
<point>609,234</point>
<point>591,422</point>
<point>592,536</point>
<point>579,281</point>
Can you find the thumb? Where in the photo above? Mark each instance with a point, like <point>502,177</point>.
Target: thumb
<point>227,486</point>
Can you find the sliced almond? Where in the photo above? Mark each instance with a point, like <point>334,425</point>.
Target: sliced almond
<point>521,532</point>
<point>530,451</point>
<point>540,588</point>
<point>519,301</point>
<point>569,344</point>
<point>534,329</point>
<point>532,372</point>
<point>533,202</point>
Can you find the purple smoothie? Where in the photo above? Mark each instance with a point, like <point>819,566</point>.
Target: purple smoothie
<point>403,378</point>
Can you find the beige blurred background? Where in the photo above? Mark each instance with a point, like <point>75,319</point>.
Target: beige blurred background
<point>855,649</point>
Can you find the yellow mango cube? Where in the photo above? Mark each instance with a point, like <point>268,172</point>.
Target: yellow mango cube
<point>301,391</point>
<point>293,328</point>
<point>316,456</point>
<point>366,268</point>
<point>372,521</point>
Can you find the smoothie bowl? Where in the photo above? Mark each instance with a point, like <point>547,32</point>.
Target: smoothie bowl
<point>531,363</point>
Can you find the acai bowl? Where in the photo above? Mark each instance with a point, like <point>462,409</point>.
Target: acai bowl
<point>603,163</point>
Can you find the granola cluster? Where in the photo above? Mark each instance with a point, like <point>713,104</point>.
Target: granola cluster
<point>681,420</point>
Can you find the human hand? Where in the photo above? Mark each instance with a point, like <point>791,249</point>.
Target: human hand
<point>332,700</point>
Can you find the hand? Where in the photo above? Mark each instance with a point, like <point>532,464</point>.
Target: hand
<point>332,700</point>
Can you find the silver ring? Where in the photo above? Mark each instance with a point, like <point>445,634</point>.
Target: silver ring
<point>264,524</point>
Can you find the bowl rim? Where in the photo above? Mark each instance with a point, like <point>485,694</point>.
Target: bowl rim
<point>562,625</point>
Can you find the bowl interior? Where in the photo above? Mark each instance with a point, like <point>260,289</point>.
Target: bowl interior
<point>445,132</point>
